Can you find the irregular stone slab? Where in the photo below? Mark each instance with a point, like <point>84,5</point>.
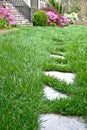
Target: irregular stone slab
<point>52,94</point>
<point>56,56</point>
<point>67,77</point>
<point>59,122</point>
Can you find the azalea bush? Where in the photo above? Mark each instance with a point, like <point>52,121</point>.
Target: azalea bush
<point>55,17</point>
<point>6,20</point>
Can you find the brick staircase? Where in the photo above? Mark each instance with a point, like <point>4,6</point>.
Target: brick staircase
<point>20,19</point>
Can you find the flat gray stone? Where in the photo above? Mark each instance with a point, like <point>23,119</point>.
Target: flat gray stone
<point>67,77</point>
<point>57,56</point>
<point>52,94</point>
<point>59,122</point>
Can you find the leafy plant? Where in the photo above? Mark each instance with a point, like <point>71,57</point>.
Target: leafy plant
<point>3,23</point>
<point>40,18</point>
<point>55,17</point>
<point>57,5</point>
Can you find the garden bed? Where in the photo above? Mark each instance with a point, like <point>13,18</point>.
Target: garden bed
<point>3,31</point>
<point>6,30</point>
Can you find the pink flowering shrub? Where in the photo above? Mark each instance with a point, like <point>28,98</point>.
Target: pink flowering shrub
<point>5,18</point>
<point>55,17</point>
<point>85,23</point>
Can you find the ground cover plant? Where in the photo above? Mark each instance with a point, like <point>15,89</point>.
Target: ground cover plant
<point>24,56</point>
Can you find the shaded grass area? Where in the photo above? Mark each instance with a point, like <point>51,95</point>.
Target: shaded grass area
<point>24,55</point>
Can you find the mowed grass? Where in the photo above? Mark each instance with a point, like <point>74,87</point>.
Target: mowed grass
<point>24,56</point>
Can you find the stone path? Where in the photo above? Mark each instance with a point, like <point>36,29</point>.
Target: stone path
<point>59,122</point>
<point>52,94</point>
<point>56,56</point>
<point>67,77</point>
<point>55,121</point>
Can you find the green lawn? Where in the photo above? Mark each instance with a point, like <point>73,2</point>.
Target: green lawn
<point>24,56</point>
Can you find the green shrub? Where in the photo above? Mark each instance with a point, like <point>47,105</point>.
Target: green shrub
<point>53,25</point>
<point>40,18</point>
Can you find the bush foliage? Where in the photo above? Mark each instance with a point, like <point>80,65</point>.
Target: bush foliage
<point>40,18</point>
<point>53,24</point>
<point>55,4</point>
<point>73,17</point>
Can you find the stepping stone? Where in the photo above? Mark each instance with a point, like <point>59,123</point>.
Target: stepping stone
<point>52,94</point>
<point>67,77</point>
<point>59,122</point>
<point>56,56</point>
